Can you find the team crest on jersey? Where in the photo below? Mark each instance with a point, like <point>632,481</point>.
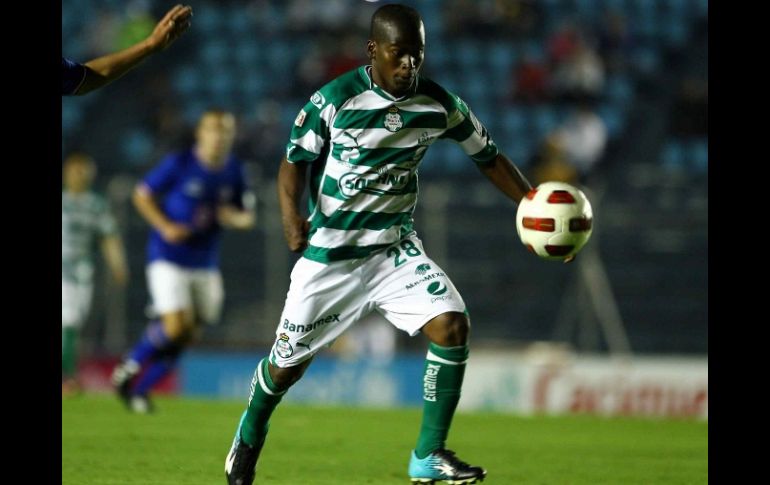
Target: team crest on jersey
<point>282,346</point>
<point>318,99</point>
<point>393,121</point>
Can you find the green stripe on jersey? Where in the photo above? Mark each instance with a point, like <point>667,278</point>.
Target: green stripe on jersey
<point>349,220</point>
<point>372,157</point>
<point>375,118</point>
<point>327,255</point>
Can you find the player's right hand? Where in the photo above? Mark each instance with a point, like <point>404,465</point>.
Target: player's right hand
<point>174,233</point>
<point>296,232</point>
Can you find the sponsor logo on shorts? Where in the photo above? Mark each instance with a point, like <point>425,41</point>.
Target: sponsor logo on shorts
<point>300,328</point>
<point>283,347</point>
<point>422,280</point>
<point>436,288</point>
<point>422,269</point>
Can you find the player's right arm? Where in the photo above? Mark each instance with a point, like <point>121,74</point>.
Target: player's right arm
<point>148,208</point>
<point>291,185</point>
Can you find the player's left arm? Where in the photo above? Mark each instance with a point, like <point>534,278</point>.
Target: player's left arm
<point>240,211</point>
<point>507,177</point>
<point>233,217</point>
<point>115,256</point>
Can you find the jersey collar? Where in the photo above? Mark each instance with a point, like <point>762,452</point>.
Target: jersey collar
<point>366,73</point>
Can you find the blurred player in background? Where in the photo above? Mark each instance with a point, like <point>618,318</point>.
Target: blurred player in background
<point>80,78</point>
<point>187,200</point>
<point>363,136</point>
<point>85,217</point>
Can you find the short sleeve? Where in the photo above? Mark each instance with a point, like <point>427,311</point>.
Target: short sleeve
<point>467,131</point>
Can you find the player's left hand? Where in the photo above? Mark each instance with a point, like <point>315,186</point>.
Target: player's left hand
<point>569,259</point>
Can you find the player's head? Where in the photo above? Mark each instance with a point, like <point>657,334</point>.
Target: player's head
<point>79,172</point>
<point>396,47</point>
<point>214,136</point>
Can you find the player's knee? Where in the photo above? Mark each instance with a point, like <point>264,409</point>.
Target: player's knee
<point>449,329</point>
<point>285,377</point>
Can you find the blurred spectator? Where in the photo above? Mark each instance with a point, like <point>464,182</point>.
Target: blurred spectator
<point>550,163</point>
<point>615,41</point>
<point>531,81</point>
<point>262,134</point>
<point>689,117</point>
<point>580,75</point>
<point>563,42</point>
<point>521,19</point>
<point>476,19</point>
<point>583,136</point>
<point>348,55</point>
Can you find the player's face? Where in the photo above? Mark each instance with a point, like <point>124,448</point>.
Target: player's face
<point>215,136</point>
<point>78,174</point>
<point>397,58</point>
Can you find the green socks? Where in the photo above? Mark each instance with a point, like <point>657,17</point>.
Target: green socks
<point>68,357</point>
<point>442,381</point>
<point>263,399</point>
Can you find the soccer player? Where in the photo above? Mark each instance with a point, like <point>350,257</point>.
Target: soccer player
<point>363,136</point>
<point>80,78</point>
<point>85,217</point>
<point>187,200</point>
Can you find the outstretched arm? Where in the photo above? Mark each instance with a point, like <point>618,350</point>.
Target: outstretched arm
<point>507,177</point>
<point>291,185</point>
<point>103,70</point>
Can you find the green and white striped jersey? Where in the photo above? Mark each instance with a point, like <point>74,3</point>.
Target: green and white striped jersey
<point>84,217</point>
<point>365,146</point>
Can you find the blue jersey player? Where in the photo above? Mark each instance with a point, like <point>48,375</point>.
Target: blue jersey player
<point>80,78</point>
<point>187,200</point>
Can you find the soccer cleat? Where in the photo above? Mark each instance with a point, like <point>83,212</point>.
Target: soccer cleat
<point>122,377</point>
<point>241,461</point>
<point>141,404</point>
<point>443,465</point>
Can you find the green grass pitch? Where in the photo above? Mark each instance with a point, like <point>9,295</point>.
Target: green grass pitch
<point>186,441</point>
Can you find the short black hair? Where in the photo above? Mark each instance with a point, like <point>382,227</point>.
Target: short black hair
<point>402,16</point>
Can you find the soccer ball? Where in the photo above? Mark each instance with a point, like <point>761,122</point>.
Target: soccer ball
<point>554,220</point>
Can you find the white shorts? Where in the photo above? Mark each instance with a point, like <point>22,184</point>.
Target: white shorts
<point>401,283</point>
<point>75,303</point>
<point>173,288</point>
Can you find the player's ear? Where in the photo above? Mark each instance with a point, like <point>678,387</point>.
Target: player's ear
<point>371,49</point>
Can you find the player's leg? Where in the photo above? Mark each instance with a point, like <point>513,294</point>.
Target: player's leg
<point>169,287</point>
<point>322,302</point>
<point>182,328</point>
<point>415,294</point>
<point>76,300</point>
<point>268,387</point>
